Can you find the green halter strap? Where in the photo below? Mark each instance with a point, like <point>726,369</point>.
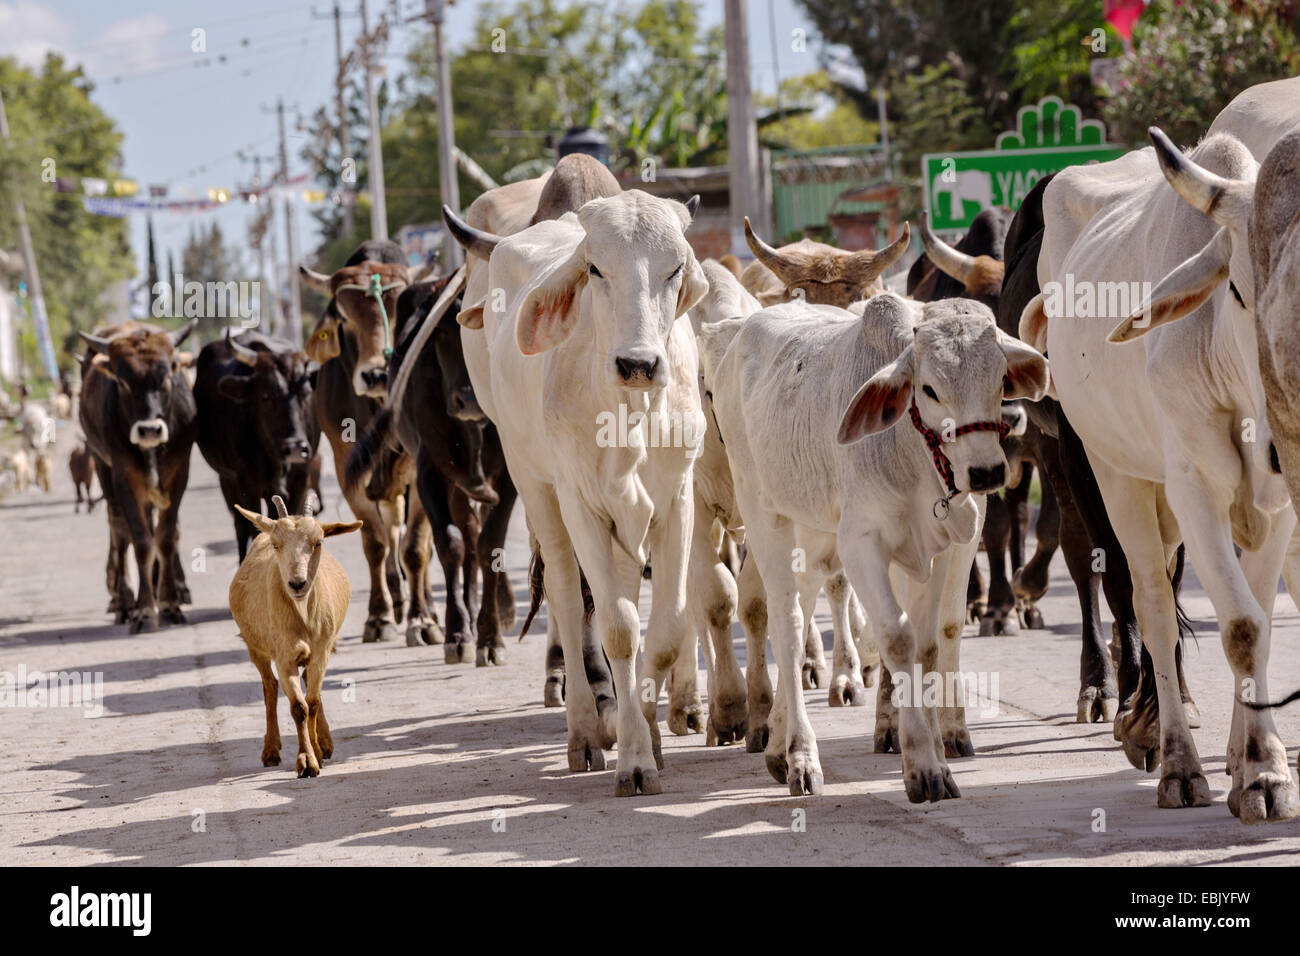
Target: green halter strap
<point>376,290</point>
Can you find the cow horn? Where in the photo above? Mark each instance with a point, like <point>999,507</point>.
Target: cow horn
<point>476,241</point>
<point>242,352</point>
<point>766,254</point>
<point>96,343</point>
<point>887,256</point>
<point>317,280</point>
<point>280,509</point>
<point>693,205</point>
<point>951,262</point>
<point>1202,189</point>
<point>181,334</point>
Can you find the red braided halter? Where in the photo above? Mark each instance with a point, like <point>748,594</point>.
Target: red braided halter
<point>932,440</point>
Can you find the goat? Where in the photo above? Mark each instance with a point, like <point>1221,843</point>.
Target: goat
<point>289,598</point>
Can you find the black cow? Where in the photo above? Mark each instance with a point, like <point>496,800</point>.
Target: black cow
<point>356,331</point>
<point>139,418</point>
<point>257,423</point>
<point>460,472</point>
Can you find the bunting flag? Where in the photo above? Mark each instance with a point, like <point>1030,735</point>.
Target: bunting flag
<point>121,197</point>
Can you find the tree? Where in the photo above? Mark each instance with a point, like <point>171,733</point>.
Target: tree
<point>1189,60</point>
<point>832,118</point>
<point>58,132</point>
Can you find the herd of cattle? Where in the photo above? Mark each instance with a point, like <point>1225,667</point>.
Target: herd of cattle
<point>791,428</point>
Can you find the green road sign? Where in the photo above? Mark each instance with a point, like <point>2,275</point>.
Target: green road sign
<point>1048,137</point>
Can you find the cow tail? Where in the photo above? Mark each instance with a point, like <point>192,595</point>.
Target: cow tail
<point>1180,613</point>
<point>365,453</point>
<point>536,588</point>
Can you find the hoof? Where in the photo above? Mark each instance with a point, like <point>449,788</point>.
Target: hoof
<point>1009,624</point>
<point>488,655</point>
<point>687,721</point>
<point>147,623</point>
<point>586,757</point>
<point>1193,714</point>
<point>1268,799</point>
<point>270,758</point>
<point>1094,707</point>
<point>844,693</point>
<point>307,767</point>
<point>377,630</point>
<point>1176,791</point>
<point>869,674</point>
<point>553,692</point>
<point>326,751</point>
<point>929,785</point>
<point>1034,619</point>
<point>756,740</point>
<point>183,595</point>
<point>806,782</point>
<point>718,736</point>
<point>886,741</point>
<point>958,745</point>
<point>172,615</point>
<point>776,766</point>
<point>814,675</point>
<point>628,783</point>
<point>988,627</point>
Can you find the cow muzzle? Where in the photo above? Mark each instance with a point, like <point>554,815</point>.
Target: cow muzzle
<point>984,479</point>
<point>371,381</point>
<point>149,433</point>
<point>462,404</point>
<point>295,451</point>
<point>639,368</point>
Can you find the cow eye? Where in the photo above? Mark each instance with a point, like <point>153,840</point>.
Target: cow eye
<point>676,272</point>
<point>929,392</point>
<point>592,270</point>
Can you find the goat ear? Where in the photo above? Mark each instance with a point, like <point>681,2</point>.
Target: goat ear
<point>880,402</point>
<point>260,522</point>
<point>339,527</point>
<point>550,311</point>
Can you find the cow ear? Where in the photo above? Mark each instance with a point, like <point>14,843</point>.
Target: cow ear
<point>237,388</point>
<point>1027,375</point>
<point>260,522</point>
<point>695,286</point>
<point>1181,292</point>
<point>1033,323</point>
<point>339,527</point>
<point>880,403</point>
<point>317,280</point>
<point>549,311</point>
<point>471,317</point>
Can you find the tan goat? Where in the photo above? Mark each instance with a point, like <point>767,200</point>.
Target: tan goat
<point>289,598</point>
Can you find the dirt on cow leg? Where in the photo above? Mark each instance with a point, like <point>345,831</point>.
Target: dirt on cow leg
<point>685,708</point>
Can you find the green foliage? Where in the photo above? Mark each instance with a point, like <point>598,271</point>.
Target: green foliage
<point>1191,59</point>
<point>51,117</point>
<point>831,118</point>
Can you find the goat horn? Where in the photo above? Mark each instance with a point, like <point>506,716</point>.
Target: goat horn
<point>242,352</point>
<point>281,510</point>
<point>477,241</point>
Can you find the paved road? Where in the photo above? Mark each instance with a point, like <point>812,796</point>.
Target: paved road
<point>460,764</point>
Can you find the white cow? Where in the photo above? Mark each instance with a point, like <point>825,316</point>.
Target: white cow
<point>584,334</point>
<point>805,397</point>
<point>1175,428</point>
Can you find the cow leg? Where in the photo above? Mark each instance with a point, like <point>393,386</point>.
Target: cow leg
<point>497,612</point>
<point>144,613</point>
<point>421,622</point>
<point>977,596</point>
<point>752,611</point>
<point>847,688</point>
<point>815,673</point>
<point>171,581</point>
<point>954,736</point>
<point>1243,593</point>
<point>270,691</point>
<point>119,592</point>
<point>449,541</point>
<point>713,605</point>
<point>864,638</point>
<point>465,516</point>
<point>590,731</point>
<point>685,708</point>
<point>1029,583</point>
<point>999,617</point>
<point>381,624</point>
<point>1136,507</point>
<point>866,559</point>
<point>553,689</point>
<point>391,513</point>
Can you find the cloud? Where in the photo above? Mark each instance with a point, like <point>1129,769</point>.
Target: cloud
<point>28,31</point>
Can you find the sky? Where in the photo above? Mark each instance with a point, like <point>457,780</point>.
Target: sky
<point>186,115</point>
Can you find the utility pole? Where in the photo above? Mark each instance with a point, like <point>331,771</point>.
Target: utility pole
<point>261,232</point>
<point>293,333</point>
<point>39,316</point>
<point>378,207</point>
<point>448,185</point>
<point>345,147</point>
<point>742,134</point>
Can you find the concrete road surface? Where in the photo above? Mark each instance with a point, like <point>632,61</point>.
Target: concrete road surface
<point>437,763</point>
